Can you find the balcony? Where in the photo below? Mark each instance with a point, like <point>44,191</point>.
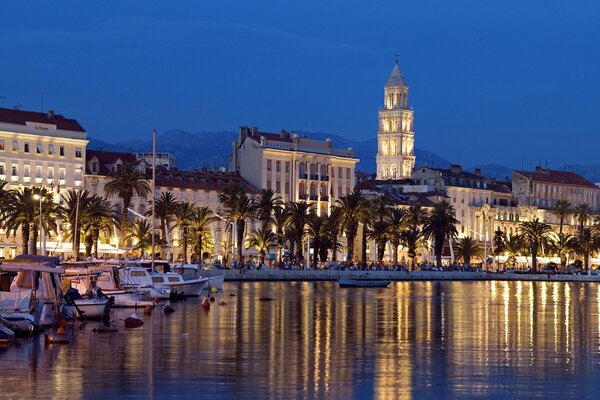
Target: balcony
<point>302,175</point>
<point>303,196</point>
<point>314,197</point>
<point>325,178</point>
<point>324,198</point>
<point>314,177</point>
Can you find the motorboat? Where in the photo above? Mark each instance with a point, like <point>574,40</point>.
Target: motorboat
<point>30,293</point>
<point>195,271</point>
<point>93,277</point>
<point>365,283</point>
<point>139,277</point>
<point>94,305</point>
<point>175,282</point>
<point>7,336</point>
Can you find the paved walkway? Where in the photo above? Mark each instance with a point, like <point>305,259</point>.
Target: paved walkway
<point>333,275</point>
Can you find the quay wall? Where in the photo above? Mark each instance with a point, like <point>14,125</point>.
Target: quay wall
<point>334,275</point>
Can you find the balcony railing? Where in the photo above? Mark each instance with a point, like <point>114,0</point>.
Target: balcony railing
<point>302,175</point>
<point>314,177</point>
<point>325,178</point>
<point>303,196</point>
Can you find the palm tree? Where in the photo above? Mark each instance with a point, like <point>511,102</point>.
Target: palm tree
<point>125,183</point>
<point>352,207</point>
<point>262,240</point>
<point>238,207</point>
<point>467,248</point>
<point>202,219</point>
<point>20,214</point>
<point>165,208</point>
<point>535,236</point>
<point>562,209</point>
<point>378,231</point>
<point>416,216</point>
<point>265,204</point>
<point>583,212</point>
<point>141,234</point>
<point>316,229</point>
<point>514,246</point>
<point>76,205</point>
<point>499,243</point>
<point>185,213</point>
<point>380,205</point>
<point>411,238</point>
<point>298,212</point>
<point>397,221</point>
<point>440,225</point>
<point>97,217</point>
<point>585,243</point>
<point>280,221</point>
<point>334,229</point>
<point>562,245</point>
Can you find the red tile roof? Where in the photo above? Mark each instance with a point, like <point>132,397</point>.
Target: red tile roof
<point>559,177</point>
<point>20,117</point>
<point>271,136</point>
<point>110,157</point>
<point>199,180</point>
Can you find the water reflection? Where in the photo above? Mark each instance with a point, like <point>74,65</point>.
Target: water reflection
<point>412,340</point>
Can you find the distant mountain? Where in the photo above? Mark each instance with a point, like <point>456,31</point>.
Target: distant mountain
<point>213,150</point>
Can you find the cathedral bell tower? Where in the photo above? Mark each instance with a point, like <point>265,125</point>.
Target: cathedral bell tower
<point>395,137</point>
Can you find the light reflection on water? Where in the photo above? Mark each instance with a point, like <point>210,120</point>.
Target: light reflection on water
<point>411,340</point>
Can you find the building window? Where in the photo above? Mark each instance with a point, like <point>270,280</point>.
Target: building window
<point>95,167</point>
<point>287,188</point>
<point>61,151</point>
<point>269,165</point>
<point>1,169</point>
<point>39,148</point>
<point>287,167</point>
<point>38,171</point>
<point>78,153</point>
<point>15,170</point>
<point>1,144</point>
<point>26,171</point>
<point>51,149</point>
<point>277,166</point>
<point>15,145</point>
<point>26,147</point>
<point>61,173</point>
<point>50,172</point>
<point>278,187</point>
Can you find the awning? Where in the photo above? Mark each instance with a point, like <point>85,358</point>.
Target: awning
<point>64,247</point>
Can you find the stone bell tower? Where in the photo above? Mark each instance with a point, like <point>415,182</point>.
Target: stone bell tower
<point>395,137</point>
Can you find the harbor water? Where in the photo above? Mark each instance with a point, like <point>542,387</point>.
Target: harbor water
<point>304,340</point>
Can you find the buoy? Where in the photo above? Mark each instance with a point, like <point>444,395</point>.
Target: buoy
<point>56,338</point>
<point>169,310</point>
<point>133,321</point>
<point>222,303</point>
<point>213,290</point>
<point>206,303</point>
<point>60,330</point>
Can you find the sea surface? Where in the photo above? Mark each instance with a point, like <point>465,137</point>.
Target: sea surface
<point>413,340</point>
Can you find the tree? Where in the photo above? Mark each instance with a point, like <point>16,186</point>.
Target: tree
<point>411,238</point>
<point>586,241</point>
<point>352,207</point>
<point>280,221</point>
<point>237,208</point>
<point>165,208</point>
<point>141,234</point>
<point>202,219</point>
<point>467,248</point>
<point>514,246</point>
<point>416,216</point>
<point>378,231</point>
<point>562,209</point>
<point>97,217</point>
<point>397,222</point>
<point>315,228</point>
<point>583,212</point>
<point>562,245</point>
<point>76,204</point>
<point>20,214</point>
<point>298,212</point>
<point>440,225</point>
<point>265,204</point>
<point>262,240</point>
<point>499,243</point>
<point>125,183</point>
<point>185,213</point>
<point>535,236</point>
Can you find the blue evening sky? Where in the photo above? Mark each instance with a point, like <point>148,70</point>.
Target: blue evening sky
<point>491,82</point>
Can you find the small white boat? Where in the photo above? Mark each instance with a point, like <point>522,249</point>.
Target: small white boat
<point>139,278</point>
<point>90,308</point>
<point>365,283</point>
<point>175,282</point>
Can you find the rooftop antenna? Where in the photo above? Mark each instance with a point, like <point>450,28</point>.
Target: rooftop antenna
<point>396,56</point>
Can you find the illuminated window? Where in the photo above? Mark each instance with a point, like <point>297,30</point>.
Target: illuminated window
<point>78,152</point>
<point>26,171</point>
<point>38,171</point>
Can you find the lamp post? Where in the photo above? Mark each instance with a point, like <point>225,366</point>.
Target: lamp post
<point>41,228</point>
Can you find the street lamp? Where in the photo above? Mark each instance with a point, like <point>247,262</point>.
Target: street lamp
<point>37,196</point>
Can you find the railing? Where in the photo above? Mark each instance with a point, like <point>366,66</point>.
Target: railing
<point>325,178</point>
<point>302,175</point>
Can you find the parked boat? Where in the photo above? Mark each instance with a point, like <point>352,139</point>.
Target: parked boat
<point>138,277</point>
<point>363,283</point>
<point>93,277</point>
<point>30,293</point>
<point>174,281</point>
<point>7,336</point>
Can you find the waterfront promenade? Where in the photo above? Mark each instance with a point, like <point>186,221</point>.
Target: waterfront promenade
<point>334,275</point>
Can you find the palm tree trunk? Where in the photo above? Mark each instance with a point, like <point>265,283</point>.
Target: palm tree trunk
<point>334,250</point>
<point>34,238</point>
<point>96,236</point>
<point>395,245</point>
<point>185,244</point>
<point>534,258</point>
<point>380,251</point>
<point>363,254</point>
<point>560,229</point>
<point>438,248</point>
<point>200,249</point>
<point>241,226</point>
<point>350,237</point>
<point>25,233</point>
<point>168,239</point>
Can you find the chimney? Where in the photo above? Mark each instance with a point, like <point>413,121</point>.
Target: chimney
<point>478,171</point>
<point>50,113</point>
<point>455,168</point>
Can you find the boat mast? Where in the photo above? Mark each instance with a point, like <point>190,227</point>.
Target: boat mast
<point>153,188</point>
